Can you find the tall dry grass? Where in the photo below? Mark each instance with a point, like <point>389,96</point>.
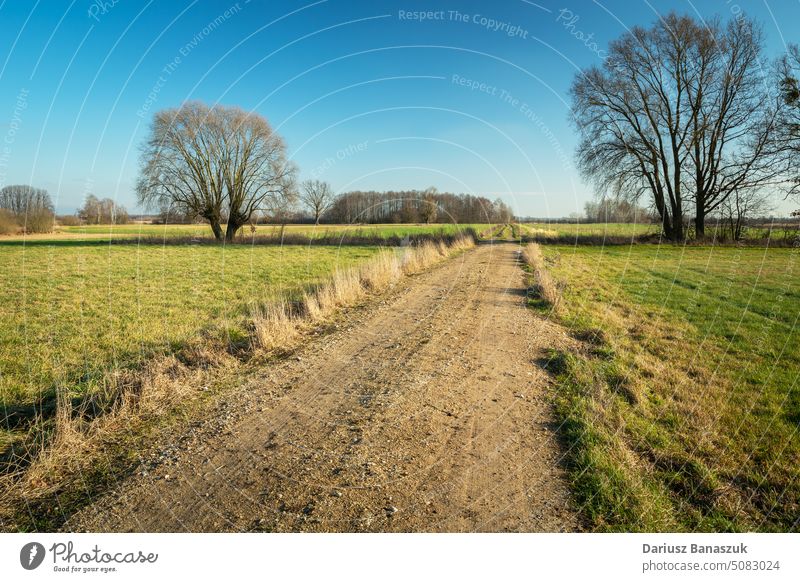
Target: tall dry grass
<point>543,286</point>
<point>68,452</point>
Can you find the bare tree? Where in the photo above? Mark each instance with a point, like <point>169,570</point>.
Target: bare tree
<point>317,196</point>
<point>105,211</point>
<point>20,199</point>
<point>633,119</point>
<point>183,163</point>
<point>740,206</point>
<point>428,207</point>
<point>679,108</point>
<point>214,162</point>
<point>280,208</point>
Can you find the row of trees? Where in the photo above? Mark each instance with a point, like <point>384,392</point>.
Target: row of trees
<point>689,117</point>
<point>428,206</point>
<point>27,208</point>
<point>31,210</point>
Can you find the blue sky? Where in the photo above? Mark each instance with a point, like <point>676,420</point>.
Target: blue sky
<point>367,95</point>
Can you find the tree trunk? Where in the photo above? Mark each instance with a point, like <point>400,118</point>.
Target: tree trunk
<point>700,222</point>
<point>677,228</point>
<point>216,229</point>
<point>231,229</point>
<point>666,224</point>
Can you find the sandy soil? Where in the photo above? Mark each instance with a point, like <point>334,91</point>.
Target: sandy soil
<point>426,411</point>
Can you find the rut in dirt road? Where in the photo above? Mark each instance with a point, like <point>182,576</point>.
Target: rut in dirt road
<point>426,412</point>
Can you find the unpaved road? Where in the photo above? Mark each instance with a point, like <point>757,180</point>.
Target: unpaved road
<point>426,411</point>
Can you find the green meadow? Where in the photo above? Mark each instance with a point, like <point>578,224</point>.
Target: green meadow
<point>682,409</point>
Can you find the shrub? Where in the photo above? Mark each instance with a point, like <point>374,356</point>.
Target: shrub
<point>39,220</point>
<point>69,220</point>
<point>8,223</point>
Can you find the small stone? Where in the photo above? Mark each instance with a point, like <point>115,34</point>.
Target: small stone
<point>336,493</point>
<point>166,477</point>
<point>390,511</point>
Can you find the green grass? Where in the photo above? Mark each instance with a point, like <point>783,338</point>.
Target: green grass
<point>682,410</point>
<point>70,312</point>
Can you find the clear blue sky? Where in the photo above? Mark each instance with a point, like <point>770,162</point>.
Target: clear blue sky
<point>366,96</point>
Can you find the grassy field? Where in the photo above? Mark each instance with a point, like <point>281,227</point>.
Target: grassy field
<point>597,233</point>
<point>582,229</point>
<point>682,406</point>
<point>71,310</point>
<point>202,231</point>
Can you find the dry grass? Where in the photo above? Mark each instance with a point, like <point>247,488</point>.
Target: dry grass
<point>71,452</point>
<point>274,326</point>
<point>542,286</point>
<point>66,450</point>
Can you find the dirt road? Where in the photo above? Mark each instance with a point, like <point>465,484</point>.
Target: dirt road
<point>426,411</point>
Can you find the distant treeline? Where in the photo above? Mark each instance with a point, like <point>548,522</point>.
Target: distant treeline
<point>603,211</point>
<point>27,209</point>
<point>413,206</point>
<point>612,210</point>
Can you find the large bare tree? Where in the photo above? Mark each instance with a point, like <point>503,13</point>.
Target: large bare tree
<point>317,197</point>
<point>213,162</point>
<point>632,117</point>
<point>679,111</point>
